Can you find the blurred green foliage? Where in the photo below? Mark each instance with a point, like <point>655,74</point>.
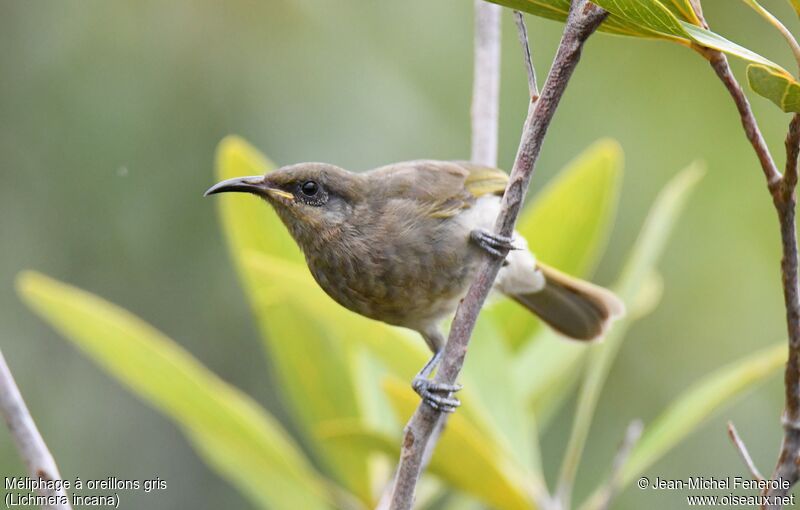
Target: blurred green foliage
<point>109,115</point>
<point>327,362</point>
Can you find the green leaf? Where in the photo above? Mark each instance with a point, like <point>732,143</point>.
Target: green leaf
<point>673,20</point>
<point>487,375</point>
<point>401,354</point>
<point>236,437</point>
<point>567,225</point>
<point>284,283</point>
<point>705,397</point>
<point>570,220</point>
<point>710,39</point>
<point>656,231</point>
<point>249,224</point>
<point>558,10</point>
<point>649,14</point>
<point>469,459</point>
<point>641,263</point>
<point>683,10</point>
<point>543,369</point>
<point>781,89</point>
<point>307,352</point>
<point>547,369</point>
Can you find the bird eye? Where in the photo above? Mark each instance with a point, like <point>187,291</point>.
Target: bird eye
<point>309,188</point>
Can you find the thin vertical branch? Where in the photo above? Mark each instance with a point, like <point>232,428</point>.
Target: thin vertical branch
<point>719,62</point>
<point>780,27</point>
<point>583,20</point>
<point>788,465</point>
<point>522,33</point>
<point>32,448</point>
<point>485,134</point>
<point>782,191</point>
<point>486,84</point>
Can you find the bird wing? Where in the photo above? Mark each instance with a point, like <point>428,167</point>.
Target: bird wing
<point>444,188</point>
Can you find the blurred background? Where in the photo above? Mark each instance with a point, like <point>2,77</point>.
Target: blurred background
<point>110,113</point>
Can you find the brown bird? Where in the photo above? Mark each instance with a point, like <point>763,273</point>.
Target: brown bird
<point>401,244</point>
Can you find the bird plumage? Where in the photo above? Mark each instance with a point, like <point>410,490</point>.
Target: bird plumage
<point>398,244</point>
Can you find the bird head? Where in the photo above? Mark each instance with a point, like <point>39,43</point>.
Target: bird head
<point>314,200</point>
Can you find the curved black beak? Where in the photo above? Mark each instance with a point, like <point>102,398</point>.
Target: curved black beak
<point>255,184</point>
<point>252,184</point>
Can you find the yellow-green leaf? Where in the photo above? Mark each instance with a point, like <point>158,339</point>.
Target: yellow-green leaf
<point>567,225</point>
<point>673,20</point>
<point>569,221</point>
<point>779,88</point>
<point>548,368</point>
<point>705,397</point>
<point>545,370</point>
<point>467,458</point>
<point>683,10</point>
<point>558,10</point>
<point>649,14</point>
<point>487,376</point>
<point>710,39</point>
<point>235,436</point>
<point>641,263</point>
<point>249,224</point>
<point>280,282</point>
<point>307,353</point>
<point>796,6</point>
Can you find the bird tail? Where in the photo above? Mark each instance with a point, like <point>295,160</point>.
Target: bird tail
<point>571,306</point>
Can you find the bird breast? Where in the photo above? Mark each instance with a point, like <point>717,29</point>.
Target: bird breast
<point>401,267</point>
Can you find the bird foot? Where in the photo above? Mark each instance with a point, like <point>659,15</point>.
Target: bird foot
<point>494,244</point>
<point>437,395</point>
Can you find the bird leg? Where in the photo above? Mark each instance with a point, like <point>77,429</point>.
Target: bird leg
<point>437,395</point>
<point>495,244</point>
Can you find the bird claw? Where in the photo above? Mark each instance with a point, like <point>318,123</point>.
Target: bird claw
<point>437,395</point>
<point>494,244</point>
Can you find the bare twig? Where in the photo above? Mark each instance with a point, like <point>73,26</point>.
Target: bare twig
<point>719,62</point>
<point>782,191</point>
<point>32,448</point>
<point>485,124</point>
<point>792,144</point>
<point>632,435</point>
<point>583,20</point>
<point>522,32</point>
<point>486,83</point>
<point>785,200</point>
<point>780,27</point>
<point>743,453</point>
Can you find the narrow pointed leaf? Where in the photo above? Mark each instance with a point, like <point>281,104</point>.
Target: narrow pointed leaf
<point>307,353</point>
<point>232,433</point>
<point>567,226</point>
<point>488,378</point>
<point>280,282</point>
<point>641,263</point>
<point>249,224</point>
<point>548,368</point>
<point>570,220</point>
<point>558,10</point>
<point>710,39</point>
<point>649,14</point>
<point>705,397</point>
<point>467,458</point>
<point>683,10</point>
